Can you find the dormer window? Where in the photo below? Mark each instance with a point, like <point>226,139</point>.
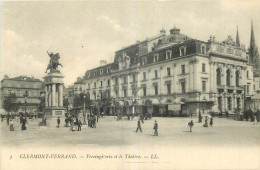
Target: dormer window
<point>168,54</point>
<point>155,58</point>
<point>95,73</point>
<point>203,49</point>
<point>144,61</point>
<point>108,70</point>
<point>182,51</point>
<point>101,72</point>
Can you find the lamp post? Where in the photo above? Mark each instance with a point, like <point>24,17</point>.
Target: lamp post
<point>42,93</point>
<point>25,102</point>
<point>84,114</point>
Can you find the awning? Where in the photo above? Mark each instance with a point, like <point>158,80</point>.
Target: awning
<point>256,97</point>
<point>174,107</point>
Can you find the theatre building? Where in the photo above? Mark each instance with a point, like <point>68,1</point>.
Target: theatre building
<point>173,74</point>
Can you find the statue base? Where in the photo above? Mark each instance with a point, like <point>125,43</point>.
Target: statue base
<point>55,112</point>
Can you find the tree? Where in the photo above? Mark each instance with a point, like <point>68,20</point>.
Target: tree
<point>10,103</point>
<point>41,104</point>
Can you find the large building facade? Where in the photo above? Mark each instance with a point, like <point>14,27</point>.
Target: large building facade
<point>23,86</point>
<point>173,74</point>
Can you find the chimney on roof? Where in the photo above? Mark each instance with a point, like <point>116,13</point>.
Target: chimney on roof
<point>103,62</point>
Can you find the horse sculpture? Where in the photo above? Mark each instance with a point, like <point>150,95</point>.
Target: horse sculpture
<point>54,61</point>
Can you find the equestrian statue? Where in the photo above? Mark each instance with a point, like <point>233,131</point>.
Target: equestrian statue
<point>54,62</point>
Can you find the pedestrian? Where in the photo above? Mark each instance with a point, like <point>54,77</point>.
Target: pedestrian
<point>255,120</point>
<point>155,127</point>
<point>23,124</point>
<point>211,121</point>
<point>11,125</point>
<point>72,125</point>
<point>200,117</point>
<point>97,119</point>
<point>2,117</point>
<point>94,122</point>
<point>58,122</point>
<point>191,124</point>
<point>7,119</point>
<point>79,125</point>
<point>139,126</point>
<point>206,122</point>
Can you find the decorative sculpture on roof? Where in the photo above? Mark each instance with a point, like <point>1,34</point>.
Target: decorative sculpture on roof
<point>54,62</point>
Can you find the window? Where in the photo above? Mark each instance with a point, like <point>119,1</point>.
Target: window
<point>203,67</point>
<point>95,73</point>
<point>247,74</point>
<point>101,83</point>
<point>168,71</point>
<point>155,74</point>
<point>168,88</point>
<point>218,77</point>
<point>204,86</point>
<point>108,82</point>
<point>203,50</point>
<point>125,94</point>
<point>116,92</point>
<point>95,95</point>
<point>89,85</point>
<point>247,89</point>
<point>108,70</point>
<point>116,81</point>
<point>101,72</point>
<point>182,69</point>
<point>125,79</point>
<point>183,88</point>
<point>228,77</point>
<point>155,58</point>
<point>95,84</point>
<point>182,51</point>
<point>237,78</point>
<point>144,91</point>
<point>156,90</point>
<point>144,61</point>
<point>133,77</point>
<point>144,75</point>
<point>254,86</point>
<point>229,103</point>
<point>168,54</point>
<point>133,91</point>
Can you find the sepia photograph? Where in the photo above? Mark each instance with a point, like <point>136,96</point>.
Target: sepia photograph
<point>130,85</point>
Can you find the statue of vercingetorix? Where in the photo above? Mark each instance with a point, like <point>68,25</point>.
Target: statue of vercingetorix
<point>54,62</point>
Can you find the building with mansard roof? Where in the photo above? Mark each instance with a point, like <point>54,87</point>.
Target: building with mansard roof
<point>173,74</point>
<point>21,86</point>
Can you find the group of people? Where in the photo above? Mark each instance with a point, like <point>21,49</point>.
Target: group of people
<point>10,122</point>
<point>155,127</point>
<point>191,124</point>
<point>92,121</point>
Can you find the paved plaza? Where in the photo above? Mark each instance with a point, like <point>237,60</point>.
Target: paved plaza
<point>110,132</point>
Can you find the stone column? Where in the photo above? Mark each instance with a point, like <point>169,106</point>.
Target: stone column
<point>224,77</point>
<point>119,87</point>
<point>49,95</point>
<point>53,92</point>
<point>211,77</point>
<point>195,78</point>
<point>46,95</point>
<point>191,77</point>
<point>214,78</point>
<point>60,94</point>
<point>129,92</point>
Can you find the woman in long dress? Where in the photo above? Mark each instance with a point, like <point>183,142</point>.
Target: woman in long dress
<point>206,122</point>
<point>11,126</point>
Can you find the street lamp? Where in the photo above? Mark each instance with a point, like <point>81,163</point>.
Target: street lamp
<point>25,102</point>
<point>84,114</point>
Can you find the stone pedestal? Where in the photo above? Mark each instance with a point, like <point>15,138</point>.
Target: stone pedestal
<point>53,82</point>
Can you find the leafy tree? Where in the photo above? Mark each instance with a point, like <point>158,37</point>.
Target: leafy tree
<point>41,104</point>
<point>10,103</point>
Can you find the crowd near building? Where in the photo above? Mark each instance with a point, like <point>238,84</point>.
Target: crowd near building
<point>174,74</point>
<point>27,90</point>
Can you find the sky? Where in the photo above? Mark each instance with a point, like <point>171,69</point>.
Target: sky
<point>86,32</point>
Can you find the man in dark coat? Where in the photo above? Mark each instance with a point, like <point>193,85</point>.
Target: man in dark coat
<point>79,125</point>
<point>155,128</point>
<point>58,122</point>
<point>139,126</point>
<point>191,124</point>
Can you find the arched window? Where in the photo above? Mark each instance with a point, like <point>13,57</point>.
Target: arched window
<point>228,75</point>
<point>218,77</point>
<point>237,78</point>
